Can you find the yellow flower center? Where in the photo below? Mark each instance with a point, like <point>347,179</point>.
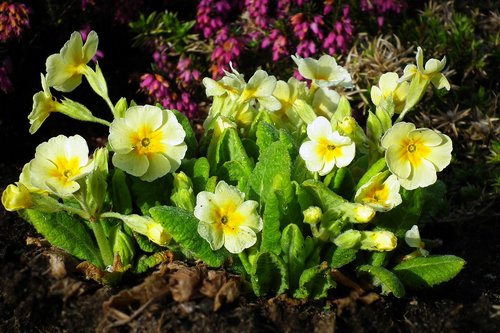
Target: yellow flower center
<point>65,169</point>
<point>377,194</point>
<point>414,150</point>
<point>328,150</point>
<point>147,141</point>
<point>229,220</point>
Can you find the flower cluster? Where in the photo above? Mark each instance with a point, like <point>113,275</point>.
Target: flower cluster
<point>283,187</point>
<point>14,19</point>
<point>381,8</point>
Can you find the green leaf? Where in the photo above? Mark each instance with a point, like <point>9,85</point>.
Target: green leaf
<point>428,271</point>
<point>198,171</point>
<point>120,194</point>
<point>325,198</point>
<point>266,134</point>
<point>315,282</point>
<point>271,226</point>
<point>374,127</point>
<point>342,257</point>
<point>385,278</point>
<point>190,138</point>
<point>269,275</point>
<point>146,262</point>
<point>183,226</point>
<point>300,172</point>
<point>294,253</point>
<point>151,194</point>
<point>235,172</point>
<point>372,171</point>
<point>66,232</point>
<point>272,174</point>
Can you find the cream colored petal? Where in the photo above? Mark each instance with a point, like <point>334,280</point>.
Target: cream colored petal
<point>327,166</point>
<point>326,61</point>
<point>388,82</point>
<point>269,103</point>
<point>212,233</point>
<point>212,88</point>
<point>440,155</point>
<point>339,140</point>
<point>308,68</point>
<point>375,95</point>
<point>264,84</point>
<point>173,132</point>
<point>159,166</point>
<point>282,91</point>
<point>434,66</point>
<point>120,136</point>
<point>61,189</point>
<point>308,152</point>
<point>319,128</point>
<point>440,81</point>
<point>408,73</point>
<point>70,84</point>
<point>249,210</point>
<point>346,156</point>
<point>90,47</point>
<point>427,136</point>
<point>72,52</point>
<point>420,59</point>
<point>175,154</point>
<point>421,176</point>
<point>76,146</point>
<point>412,237</point>
<point>226,194</point>
<point>397,165</point>
<point>205,207</point>
<point>242,238</point>
<point>131,163</point>
<point>396,134</point>
<point>147,115</point>
<point>57,70</point>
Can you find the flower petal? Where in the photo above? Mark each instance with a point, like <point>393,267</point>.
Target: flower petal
<point>319,128</point>
<point>308,152</point>
<point>398,165</point>
<point>248,209</point>
<point>346,156</point>
<point>90,47</point>
<point>212,233</point>
<point>396,134</point>
<point>132,163</point>
<point>242,238</point>
<point>421,176</point>
<point>159,166</point>
<point>205,207</point>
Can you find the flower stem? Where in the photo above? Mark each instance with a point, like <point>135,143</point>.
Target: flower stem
<point>103,243</point>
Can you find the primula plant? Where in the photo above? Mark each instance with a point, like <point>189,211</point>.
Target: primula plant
<point>284,187</point>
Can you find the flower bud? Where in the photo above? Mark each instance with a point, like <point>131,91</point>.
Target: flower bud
<point>312,215</point>
<point>363,214</point>
<point>182,194</point>
<point>16,197</point>
<point>146,226</point>
<point>96,183</point>
<point>348,239</point>
<point>378,240</point>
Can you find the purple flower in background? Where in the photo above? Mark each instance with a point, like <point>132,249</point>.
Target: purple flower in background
<point>381,7</point>
<point>14,18</point>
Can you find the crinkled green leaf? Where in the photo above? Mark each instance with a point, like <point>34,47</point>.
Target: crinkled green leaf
<point>272,174</point>
<point>270,275</point>
<point>67,232</point>
<point>266,134</point>
<point>150,194</point>
<point>342,257</point>
<point>325,198</point>
<point>146,262</point>
<point>235,172</point>
<point>428,271</point>
<point>183,227</point>
<point>294,253</point>
<point>198,171</point>
<point>120,193</point>
<point>374,127</point>
<point>271,230</point>
<point>315,282</point>
<point>230,148</point>
<point>385,278</point>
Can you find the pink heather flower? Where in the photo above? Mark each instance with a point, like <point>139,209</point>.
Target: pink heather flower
<point>227,49</point>
<point>5,70</point>
<point>381,8</point>
<point>210,16</point>
<point>278,42</point>
<point>13,20</point>
<point>257,10</point>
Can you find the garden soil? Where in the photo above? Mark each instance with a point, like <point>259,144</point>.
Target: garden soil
<point>42,291</point>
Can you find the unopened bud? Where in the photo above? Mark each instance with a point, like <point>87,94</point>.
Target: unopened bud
<point>378,240</point>
<point>348,239</point>
<point>312,215</point>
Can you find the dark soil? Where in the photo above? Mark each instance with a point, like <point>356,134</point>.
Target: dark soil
<point>41,292</point>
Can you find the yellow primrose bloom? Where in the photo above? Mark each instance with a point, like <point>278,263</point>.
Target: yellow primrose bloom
<point>431,71</point>
<point>260,87</point>
<point>148,142</point>
<point>289,94</point>
<point>326,148</point>
<point>324,72</point>
<point>412,238</point>
<point>43,105</point>
<point>226,219</point>
<point>16,197</point>
<point>389,86</point>
<point>415,155</point>
<point>380,193</point>
<point>325,102</point>
<point>65,69</point>
<point>378,240</point>
<point>59,163</point>
<point>231,84</point>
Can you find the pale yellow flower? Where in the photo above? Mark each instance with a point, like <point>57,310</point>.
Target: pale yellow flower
<point>232,84</point>
<point>325,102</point>
<point>43,105</point>
<point>226,219</point>
<point>260,87</point>
<point>412,238</point>
<point>148,142</point>
<point>431,71</point>
<point>326,148</point>
<point>59,163</point>
<point>389,86</point>
<point>415,155</point>
<point>324,72</point>
<point>16,197</point>
<point>65,69</point>
<point>380,192</point>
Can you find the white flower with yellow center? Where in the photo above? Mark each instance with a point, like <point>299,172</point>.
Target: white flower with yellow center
<point>326,148</point>
<point>380,193</point>
<point>415,155</point>
<point>148,142</point>
<point>65,69</point>
<point>389,86</point>
<point>324,72</point>
<point>431,71</point>
<point>226,219</point>
<point>59,163</point>
<point>260,87</point>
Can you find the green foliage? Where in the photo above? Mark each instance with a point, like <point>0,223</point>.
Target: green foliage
<point>269,275</point>
<point>385,278</point>
<point>315,282</point>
